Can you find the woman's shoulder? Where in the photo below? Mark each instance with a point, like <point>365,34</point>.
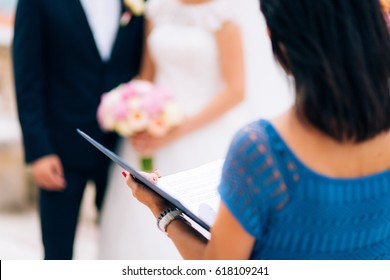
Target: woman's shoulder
<point>256,132</point>
<point>254,142</point>
<point>252,182</point>
<point>210,15</point>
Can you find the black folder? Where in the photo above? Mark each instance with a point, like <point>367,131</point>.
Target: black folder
<point>144,181</point>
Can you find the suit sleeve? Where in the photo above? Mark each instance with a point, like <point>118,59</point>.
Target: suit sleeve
<point>29,73</point>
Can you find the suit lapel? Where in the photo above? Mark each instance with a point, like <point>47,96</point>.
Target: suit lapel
<point>84,28</point>
<point>119,32</point>
<point>81,24</point>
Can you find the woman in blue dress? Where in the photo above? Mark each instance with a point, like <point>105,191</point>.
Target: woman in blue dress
<point>313,183</point>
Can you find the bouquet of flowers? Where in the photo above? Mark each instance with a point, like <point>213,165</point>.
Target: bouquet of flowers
<point>139,106</point>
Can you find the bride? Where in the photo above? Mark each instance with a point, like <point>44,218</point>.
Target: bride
<point>206,53</point>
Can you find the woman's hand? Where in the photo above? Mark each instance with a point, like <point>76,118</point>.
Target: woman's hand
<point>144,195</point>
<point>229,240</point>
<point>146,145</point>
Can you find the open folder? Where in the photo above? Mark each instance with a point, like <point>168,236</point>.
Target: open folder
<point>194,191</point>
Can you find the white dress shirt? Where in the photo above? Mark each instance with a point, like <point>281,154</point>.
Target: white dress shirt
<point>103,17</point>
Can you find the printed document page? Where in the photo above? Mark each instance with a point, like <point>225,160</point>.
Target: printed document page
<point>196,189</point>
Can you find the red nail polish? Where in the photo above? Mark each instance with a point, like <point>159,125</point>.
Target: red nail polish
<point>124,174</point>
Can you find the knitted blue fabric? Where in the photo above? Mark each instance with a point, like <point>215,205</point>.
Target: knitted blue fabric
<point>296,213</point>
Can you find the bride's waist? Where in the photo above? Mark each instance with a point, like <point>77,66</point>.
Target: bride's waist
<point>192,94</point>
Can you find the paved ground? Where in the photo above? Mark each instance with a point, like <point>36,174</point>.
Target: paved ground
<point>20,234</point>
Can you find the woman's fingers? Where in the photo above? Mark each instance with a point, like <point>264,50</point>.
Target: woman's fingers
<point>150,176</point>
<point>134,187</point>
<point>157,172</point>
<point>146,196</point>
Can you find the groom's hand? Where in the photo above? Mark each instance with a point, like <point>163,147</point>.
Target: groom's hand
<point>48,173</point>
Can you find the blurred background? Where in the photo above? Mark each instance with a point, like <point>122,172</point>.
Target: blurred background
<point>19,224</point>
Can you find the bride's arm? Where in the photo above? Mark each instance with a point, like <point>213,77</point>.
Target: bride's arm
<point>232,70</point>
<point>147,70</point>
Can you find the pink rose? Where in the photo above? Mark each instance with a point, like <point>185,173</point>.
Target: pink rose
<point>121,111</point>
<point>152,105</point>
<point>128,91</point>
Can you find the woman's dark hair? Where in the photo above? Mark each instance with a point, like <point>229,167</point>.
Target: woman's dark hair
<point>339,54</point>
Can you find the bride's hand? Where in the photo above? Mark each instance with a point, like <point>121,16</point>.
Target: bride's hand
<point>139,142</point>
<point>144,195</point>
<point>146,144</point>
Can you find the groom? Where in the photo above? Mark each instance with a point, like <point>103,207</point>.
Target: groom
<point>66,53</point>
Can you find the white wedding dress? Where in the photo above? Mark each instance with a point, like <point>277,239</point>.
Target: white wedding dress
<point>183,47</point>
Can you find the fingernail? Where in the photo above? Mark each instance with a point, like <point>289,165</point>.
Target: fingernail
<point>124,174</point>
<point>158,173</point>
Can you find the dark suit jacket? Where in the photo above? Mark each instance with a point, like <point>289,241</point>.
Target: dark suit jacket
<point>59,78</point>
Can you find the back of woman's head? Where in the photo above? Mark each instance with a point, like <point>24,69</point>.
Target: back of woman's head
<point>339,54</point>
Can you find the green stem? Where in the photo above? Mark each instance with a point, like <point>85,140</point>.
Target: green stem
<point>146,164</point>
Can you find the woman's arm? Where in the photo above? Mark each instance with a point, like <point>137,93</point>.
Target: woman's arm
<point>232,70</point>
<point>147,71</point>
<point>228,239</point>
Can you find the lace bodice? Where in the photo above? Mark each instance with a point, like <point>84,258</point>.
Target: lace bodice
<point>209,15</point>
<point>184,50</point>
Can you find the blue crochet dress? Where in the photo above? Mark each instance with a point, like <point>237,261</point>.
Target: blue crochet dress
<point>295,213</point>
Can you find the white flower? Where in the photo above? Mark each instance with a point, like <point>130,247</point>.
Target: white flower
<point>124,128</point>
<point>137,7</point>
<point>134,103</point>
<point>172,115</point>
<point>106,108</point>
<point>111,99</point>
<point>138,120</point>
<point>109,122</point>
